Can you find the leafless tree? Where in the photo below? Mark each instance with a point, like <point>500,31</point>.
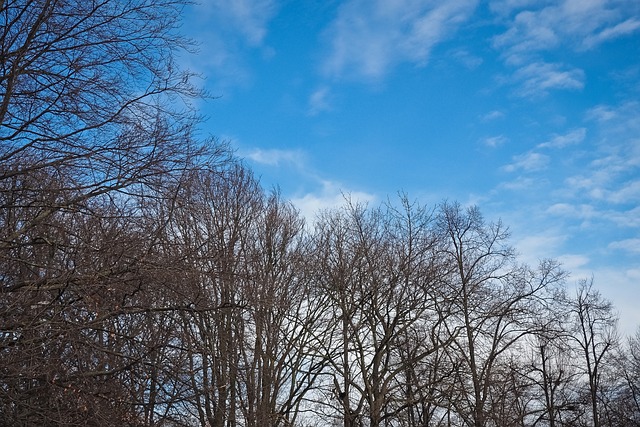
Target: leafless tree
<point>495,301</point>
<point>278,364</point>
<point>379,268</point>
<point>596,337</point>
<point>94,123</point>
<point>625,403</point>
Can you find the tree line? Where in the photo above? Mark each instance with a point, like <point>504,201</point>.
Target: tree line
<point>147,279</point>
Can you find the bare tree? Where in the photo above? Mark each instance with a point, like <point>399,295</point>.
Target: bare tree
<point>379,268</point>
<point>596,336</point>
<point>495,301</point>
<point>94,123</point>
<point>87,95</point>
<point>626,399</point>
<point>279,366</point>
<point>213,218</point>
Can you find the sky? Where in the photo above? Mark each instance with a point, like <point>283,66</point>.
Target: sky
<point>529,109</point>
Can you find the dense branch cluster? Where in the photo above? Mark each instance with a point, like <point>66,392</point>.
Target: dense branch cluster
<point>146,279</point>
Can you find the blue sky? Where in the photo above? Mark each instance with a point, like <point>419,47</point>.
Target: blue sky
<point>528,108</point>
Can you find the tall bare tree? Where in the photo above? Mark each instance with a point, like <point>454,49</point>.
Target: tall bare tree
<point>94,122</point>
<point>495,301</point>
<point>280,367</point>
<point>596,337</point>
<point>379,268</point>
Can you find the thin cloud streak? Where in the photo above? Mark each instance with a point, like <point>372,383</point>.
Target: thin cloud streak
<point>320,101</point>
<point>367,38</point>
<point>538,78</point>
<point>528,162</point>
<point>245,18</point>
<point>627,245</point>
<point>276,157</point>
<point>561,141</point>
<point>492,115</point>
<point>495,141</point>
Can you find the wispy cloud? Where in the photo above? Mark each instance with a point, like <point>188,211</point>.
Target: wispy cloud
<point>467,59</point>
<point>586,212</point>
<point>492,115</point>
<point>619,119</point>
<point>626,218</point>
<point>601,113</point>
<point>627,192</point>
<point>225,31</point>
<point>245,18</point>
<point>627,245</point>
<point>535,28</point>
<point>495,141</point>
<point>622,29</point>
<point>574,137</point>
<point>526,34</point>
<point>519,184</point>
<point>330,195</point>
<point>276,157</point>
<point>538,78</point>
<point>320,101</point>
<point>581,212</point>
<point>577,24</point>
<point>505,7</point>
<point>573,262</point>
<point>369,37</point>
<point>612,176</point>
<point>528,162</point>
<point>534,247</point>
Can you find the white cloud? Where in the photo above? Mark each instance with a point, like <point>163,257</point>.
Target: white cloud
<point>618,119</point>
<point>369,37</point>
<point>574,137</point>
<point>492,115</point>
<point>536,79</point>
<point>533,248</point>
<point>573,262</point>
<point>495,141</point>
<point>467,59</point>
<point>628,192</point>
<point>319,101</point>
<point>331,195</point>
<point>579,211</point>
<point>627,219</point>
<point>622,29</point>
<point>611,177</point>
<point>601,113</point>
<point>588,213</point>
<point>537,27</point>
<point>628,245</point>
<point>519,184</point>
<point>583,213</point>
<point>527,33</point>
<point>247,18</point>
<point>580,24</point>
<point>528,162</point>
<point>505,7</point>
<point>276,157</point>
